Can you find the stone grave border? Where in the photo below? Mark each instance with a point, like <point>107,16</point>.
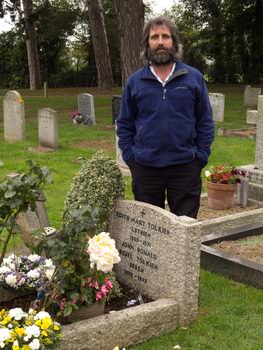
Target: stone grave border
<point>230,265</point>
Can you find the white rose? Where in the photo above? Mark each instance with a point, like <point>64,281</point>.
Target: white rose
<point>35,344</point>
<point>33,257</point>
<point>11,280</point>
<point>49,263</point>
<point>103,252</point>
<point>17,313</point>
<point>50,272</point>
<point>33,274</point>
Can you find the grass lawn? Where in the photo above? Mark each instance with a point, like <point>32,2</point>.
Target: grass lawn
<point>230,314</point>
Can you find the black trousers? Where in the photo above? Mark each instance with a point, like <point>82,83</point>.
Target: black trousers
<point>181,184</point>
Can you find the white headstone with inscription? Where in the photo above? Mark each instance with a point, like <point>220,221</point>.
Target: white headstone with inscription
<point>14,117</point>
<point>86,107</point>
<point>160,253</point>
<point>217,102</point>
<point>251,97</point>
<point>48,128</point>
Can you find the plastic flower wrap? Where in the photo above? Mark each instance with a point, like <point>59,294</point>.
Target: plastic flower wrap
<point>26,272</point>
<point>28,331</point>
<point>224,175</point>
<point>103,252</point>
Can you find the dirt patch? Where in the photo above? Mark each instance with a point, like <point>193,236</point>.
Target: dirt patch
<point>102,143</point>
<point>206,213</point>
<point>250,248</point>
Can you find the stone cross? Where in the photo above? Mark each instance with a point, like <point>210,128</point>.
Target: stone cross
<point>259,135</point>
<point>86,107</point>
<point>217,102</point>
<point>48,128</point>
<point>14,117</point>
<point>160,253</point>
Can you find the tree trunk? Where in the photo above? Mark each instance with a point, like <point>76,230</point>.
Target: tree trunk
<point>100,45</point>
<point>31,45</point>
<point>130,16</point>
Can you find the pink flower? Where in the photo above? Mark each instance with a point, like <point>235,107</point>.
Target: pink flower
<point>104,290</point>
<point>98,296</point>
<point>94,285</point>
<point>109,284</point>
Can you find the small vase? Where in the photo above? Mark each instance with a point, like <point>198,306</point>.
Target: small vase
<point>87,311</point>
<point>220,196</point>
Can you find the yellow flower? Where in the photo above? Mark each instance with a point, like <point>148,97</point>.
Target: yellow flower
<point>25,347</point>
<point>44,333</point>
<point>20,331</point>
<point>15,347</point>
<point>46,323</point>
<point>56,328</point>
<point>65,263</point>
<point>38,323</point>
<point>6,320</point>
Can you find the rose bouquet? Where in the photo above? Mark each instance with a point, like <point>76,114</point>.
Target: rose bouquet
<point>224,175</point>
<point>26,272</point>
<point>25,331</point>
<point>77,118</point>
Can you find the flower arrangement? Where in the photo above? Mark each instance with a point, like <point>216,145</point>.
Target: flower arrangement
<point>26,331</point>
<point>84,270</point>
<point>26,272</point>
<point>222,174</point>
<point>77,118</point>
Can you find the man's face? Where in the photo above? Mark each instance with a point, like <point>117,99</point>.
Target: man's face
<point>161,50</point>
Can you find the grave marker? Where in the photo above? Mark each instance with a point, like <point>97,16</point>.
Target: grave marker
<point>159,253</point>
<point>48,128</point>
<point>115,107</point>
<point>259,135</point>
<point>217,102</point>
<point>86,107</point>
<point>251,97</point>
<point>14,117</point>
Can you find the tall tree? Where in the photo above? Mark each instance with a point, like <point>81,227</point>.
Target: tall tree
<point>31,45</point>
<point>100,44</point>
<point>130,16</point>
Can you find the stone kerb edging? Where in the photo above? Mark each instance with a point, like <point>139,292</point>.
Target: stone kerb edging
<point>122,328</point>
<point>160,254</point>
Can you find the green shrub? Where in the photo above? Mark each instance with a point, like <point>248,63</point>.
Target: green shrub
<point>98,183</point>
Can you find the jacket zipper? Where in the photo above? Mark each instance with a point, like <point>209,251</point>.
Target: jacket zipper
<point>164,94</point>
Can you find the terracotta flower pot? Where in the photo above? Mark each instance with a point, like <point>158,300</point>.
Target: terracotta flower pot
<point>220,196</point>
<point>85,312</point>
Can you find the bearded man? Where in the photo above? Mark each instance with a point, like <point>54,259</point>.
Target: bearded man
<point>165,125</point>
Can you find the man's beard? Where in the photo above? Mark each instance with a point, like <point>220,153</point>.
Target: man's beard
<point>163,57</point>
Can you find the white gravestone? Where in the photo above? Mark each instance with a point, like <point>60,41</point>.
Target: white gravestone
<point>160,254</point>
<point>86,107</point>
<point>48,128</point>
<point>217,102</point>
<point>251,97</point>
<point>259,135</point>
<point>14,117</point>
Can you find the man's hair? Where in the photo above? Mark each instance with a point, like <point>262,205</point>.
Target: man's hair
<point>160,21</point>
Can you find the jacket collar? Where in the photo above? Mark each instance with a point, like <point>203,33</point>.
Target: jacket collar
<point>179,70</point>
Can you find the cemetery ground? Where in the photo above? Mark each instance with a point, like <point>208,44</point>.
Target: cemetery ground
<point>230,313</point>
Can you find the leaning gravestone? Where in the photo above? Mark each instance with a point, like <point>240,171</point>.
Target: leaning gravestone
<point>217,102</point>
<point>251,97</point>
<point>86,108</point>
<point>14,117</point>
<point>48,128</point>
<point>160,254</point>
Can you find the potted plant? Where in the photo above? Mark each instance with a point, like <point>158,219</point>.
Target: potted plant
<point>84,260</point>
<point>221,184</point>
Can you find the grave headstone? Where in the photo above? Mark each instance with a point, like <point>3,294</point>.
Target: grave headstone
<point>217,102</point>
<point>252,117</point>
<point>115,107</point>
<point>86,108</point>
<point>160,253</point>
<point>259,135</point>
<point>48,128</point>
<point>251,97</point>
<point>14,117</point>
